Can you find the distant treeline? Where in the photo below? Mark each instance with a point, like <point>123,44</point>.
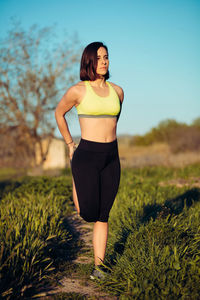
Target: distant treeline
<point>180,137</point>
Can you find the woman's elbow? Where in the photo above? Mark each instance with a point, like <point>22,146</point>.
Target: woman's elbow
<point>57,113</point>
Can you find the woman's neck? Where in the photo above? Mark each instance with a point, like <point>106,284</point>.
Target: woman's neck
<point>99,82</point>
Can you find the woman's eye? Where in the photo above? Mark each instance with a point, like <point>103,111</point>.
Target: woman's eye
<point>100,57</point>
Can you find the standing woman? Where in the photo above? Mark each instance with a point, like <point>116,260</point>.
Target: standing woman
<point>95,162</point>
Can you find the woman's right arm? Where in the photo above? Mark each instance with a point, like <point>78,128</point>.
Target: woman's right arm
<point>66,103</point>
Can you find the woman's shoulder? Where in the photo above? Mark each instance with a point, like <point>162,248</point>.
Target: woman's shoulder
<point>78,86</point>
<point>118,90</point>
<point>77,89</point>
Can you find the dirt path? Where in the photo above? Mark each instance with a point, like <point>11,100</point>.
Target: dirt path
<point>75,283</point>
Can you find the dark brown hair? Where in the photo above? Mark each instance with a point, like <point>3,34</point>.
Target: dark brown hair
<point>89,62</point>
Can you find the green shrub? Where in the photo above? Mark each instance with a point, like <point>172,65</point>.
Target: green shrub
<point>179,136</point>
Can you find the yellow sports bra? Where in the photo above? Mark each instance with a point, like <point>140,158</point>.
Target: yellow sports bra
<point>94,106</point>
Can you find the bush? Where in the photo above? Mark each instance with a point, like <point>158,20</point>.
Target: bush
<point>180,137</point>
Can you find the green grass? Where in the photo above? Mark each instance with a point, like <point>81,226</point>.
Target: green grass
<point>69,296</point>
<point>154,240</point>
<point>31,230</point>
<point>154,235</point>
<point>7,173</point>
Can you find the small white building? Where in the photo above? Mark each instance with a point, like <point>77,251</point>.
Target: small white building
<point>57,154</point>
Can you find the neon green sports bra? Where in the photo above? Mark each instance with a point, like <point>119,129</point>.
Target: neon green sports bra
<point>94,106</point>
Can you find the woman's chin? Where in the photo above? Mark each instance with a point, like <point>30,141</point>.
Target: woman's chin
<point>102,74</point>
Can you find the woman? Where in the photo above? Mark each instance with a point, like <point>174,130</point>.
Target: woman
<point>95,162</point>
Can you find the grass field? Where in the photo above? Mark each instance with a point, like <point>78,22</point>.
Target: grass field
<point>32,228</point>
<point>154,234</point>
<point>154,244</point>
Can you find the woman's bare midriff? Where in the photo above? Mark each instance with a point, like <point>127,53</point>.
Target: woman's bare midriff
<point>98,129</point>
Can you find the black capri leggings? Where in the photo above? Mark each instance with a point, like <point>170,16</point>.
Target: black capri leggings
<point>96,171</point>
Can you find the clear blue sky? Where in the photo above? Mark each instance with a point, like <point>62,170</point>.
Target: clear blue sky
<point>154,49</point>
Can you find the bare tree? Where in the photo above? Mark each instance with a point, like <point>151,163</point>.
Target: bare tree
<point>34,73</point>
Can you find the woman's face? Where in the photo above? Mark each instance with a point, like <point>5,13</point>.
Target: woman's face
<point>102,61</point>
